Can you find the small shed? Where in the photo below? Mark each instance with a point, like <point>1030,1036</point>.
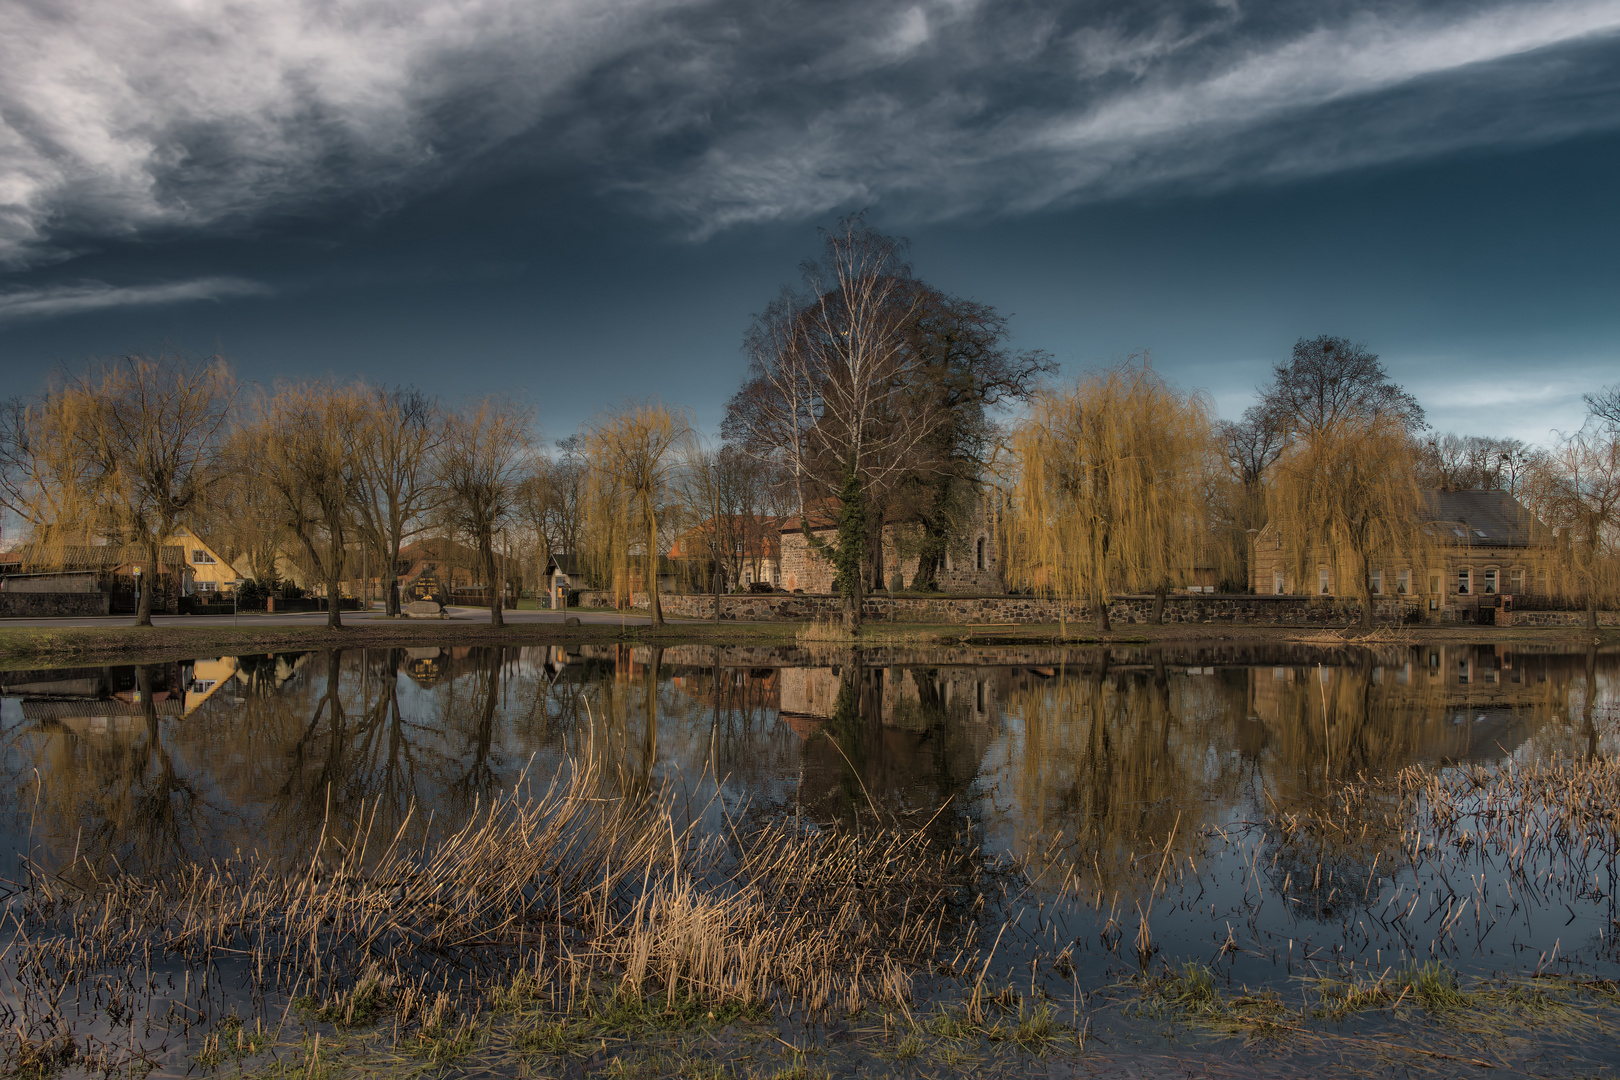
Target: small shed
<point>562,575</point>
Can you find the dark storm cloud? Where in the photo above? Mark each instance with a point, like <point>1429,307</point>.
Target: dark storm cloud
<point>118,116</point>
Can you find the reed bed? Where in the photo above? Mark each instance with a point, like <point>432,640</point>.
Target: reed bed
<point>558,895</point>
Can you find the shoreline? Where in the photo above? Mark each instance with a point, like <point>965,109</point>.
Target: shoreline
<point>22,646</point>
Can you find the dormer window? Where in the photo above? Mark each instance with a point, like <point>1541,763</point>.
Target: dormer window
<point>198,555</point>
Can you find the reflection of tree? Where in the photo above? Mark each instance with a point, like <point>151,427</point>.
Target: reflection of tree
<point>1109,763</point>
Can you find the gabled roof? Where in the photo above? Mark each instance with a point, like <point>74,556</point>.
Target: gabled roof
<point>1483,518</point>
<point>565,561</point>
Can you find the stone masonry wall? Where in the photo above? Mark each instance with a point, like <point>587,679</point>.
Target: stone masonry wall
<point>35,605</point>
<point>1124,610</point>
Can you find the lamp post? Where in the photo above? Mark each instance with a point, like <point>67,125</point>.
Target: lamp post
<point>236,599</point>
<point>137,594</point>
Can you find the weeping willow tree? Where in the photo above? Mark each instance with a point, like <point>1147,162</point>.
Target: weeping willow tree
<point>1345,499</point>
<point>121,454</point>
<point>1107,491</point>
<point>1576,489</point>
<point>633,465</point>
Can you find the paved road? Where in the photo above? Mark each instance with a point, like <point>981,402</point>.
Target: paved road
<point>458,616</point>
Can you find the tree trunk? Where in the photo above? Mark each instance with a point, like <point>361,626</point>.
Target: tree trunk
<point>391,598</point>
<point>143,606</point>
<point>334,603</point>
<point>716,581</point>
<point>1591,608</point>
<point>1158,606</point>
<point>497,589</point>
<point>653,605</point>
<point>1100,612</point>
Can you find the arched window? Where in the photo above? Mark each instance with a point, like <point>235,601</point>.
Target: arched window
<point>981,553</point>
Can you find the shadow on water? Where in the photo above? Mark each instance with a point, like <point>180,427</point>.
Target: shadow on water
<point>1251,809</point>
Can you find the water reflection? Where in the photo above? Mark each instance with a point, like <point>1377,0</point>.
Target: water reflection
<point>1079,759</point>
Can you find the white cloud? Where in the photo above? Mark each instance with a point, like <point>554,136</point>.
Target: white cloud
<point>95,295</point>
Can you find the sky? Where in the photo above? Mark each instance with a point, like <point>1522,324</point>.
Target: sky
<point>578,202</point>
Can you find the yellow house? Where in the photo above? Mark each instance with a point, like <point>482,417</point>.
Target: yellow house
<point>211,573</point>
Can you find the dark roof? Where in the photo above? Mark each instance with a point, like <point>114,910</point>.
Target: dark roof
<point>82,556</point>
<point>567,562</point>
<point>1483,518</point>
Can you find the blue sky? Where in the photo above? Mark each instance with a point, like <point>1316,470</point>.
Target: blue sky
<point>580,202</point>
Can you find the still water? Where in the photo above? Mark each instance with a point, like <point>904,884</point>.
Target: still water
<point>1081,773</point>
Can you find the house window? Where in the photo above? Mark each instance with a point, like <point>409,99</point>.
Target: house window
<point>1279,583</point>
<point>1324,582</point>
<point>1403,582</point>
<point>1434,583</point>
<point>1378,583</point>
<point>981,553</point>
<point>198,555</point>
<point>207,586</point>
<point>1490,582</point>
<point>1541,581</point>
<point>1516,579</point>
<point>1464,579</point>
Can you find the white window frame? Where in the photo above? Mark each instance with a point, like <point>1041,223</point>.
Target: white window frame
<point>1324,581</point>
<point>1403,583</point>
<point>1516,579</point>
<point>1378,582</point>
<point>1493,581</point>
<point>1279,583</point>
<point>207,586</point>
<point>201,557</point>
<point>1465,581</point>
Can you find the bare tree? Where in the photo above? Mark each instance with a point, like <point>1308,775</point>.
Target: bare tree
<point>1464,462</point>
<point>481,461</point>
<point>1330,381</point>
<point>396,447</point>
<point>302,446</point>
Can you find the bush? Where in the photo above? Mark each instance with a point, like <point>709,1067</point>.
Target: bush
<point>761,587</point>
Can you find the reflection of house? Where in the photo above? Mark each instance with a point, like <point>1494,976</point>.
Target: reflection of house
<point>755,540</point>
<point>1488,547</point>
<point>972,563</point>
<point>1436,702</point>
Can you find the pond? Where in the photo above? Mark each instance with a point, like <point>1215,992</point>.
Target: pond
<point>1260,857</point>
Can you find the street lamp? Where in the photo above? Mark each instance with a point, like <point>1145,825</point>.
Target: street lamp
<point>137,592</point>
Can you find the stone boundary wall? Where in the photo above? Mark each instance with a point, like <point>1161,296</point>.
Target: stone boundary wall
<point>40,605</point>
<point>1554,618</point>
<point>1178,608</point>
